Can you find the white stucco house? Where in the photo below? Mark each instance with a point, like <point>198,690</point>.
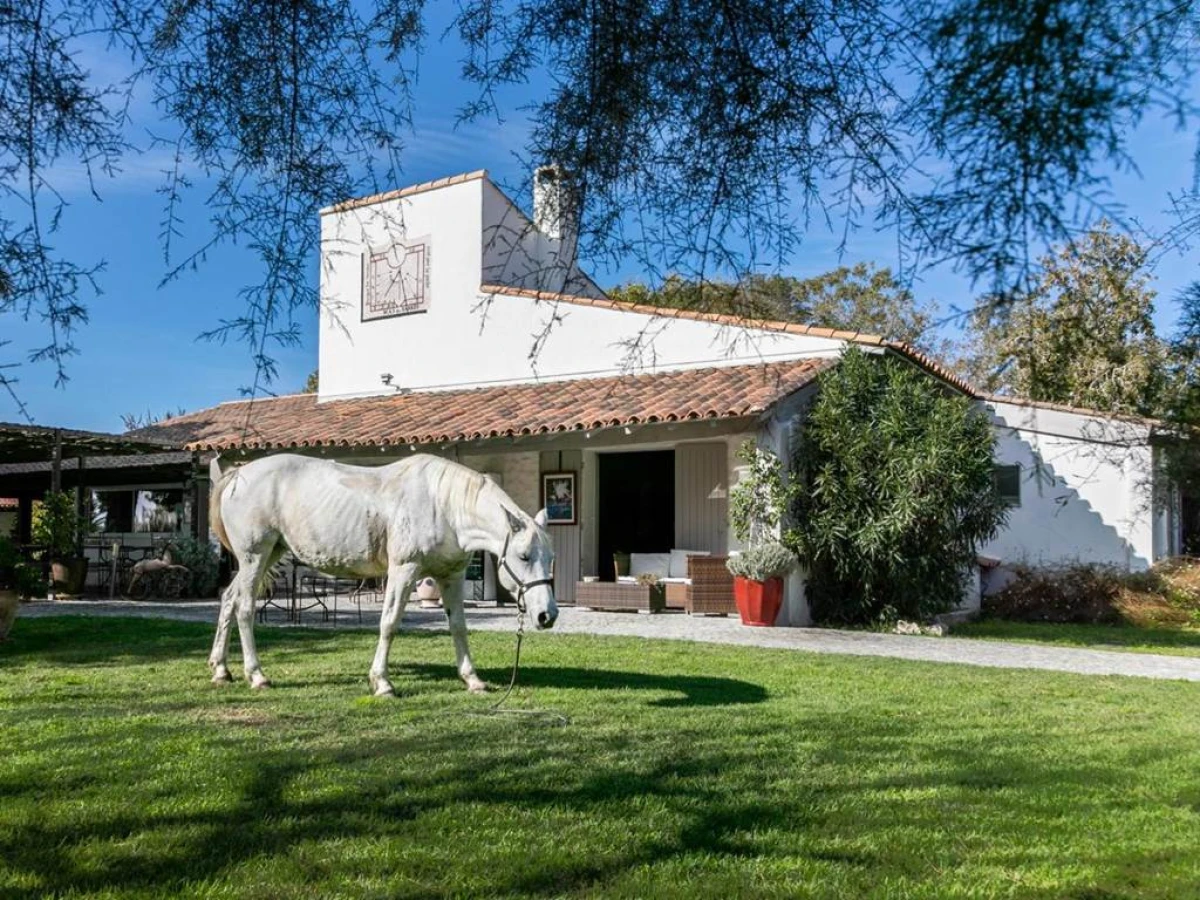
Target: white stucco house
<point>453,323</point>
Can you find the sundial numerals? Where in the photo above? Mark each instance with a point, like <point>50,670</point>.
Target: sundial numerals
<point>396,280</point>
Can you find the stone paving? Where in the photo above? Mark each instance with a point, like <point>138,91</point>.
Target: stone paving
<point>680,627</point>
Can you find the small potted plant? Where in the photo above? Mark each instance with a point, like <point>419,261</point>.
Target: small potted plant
<point>56,527</point>
<point>17,579</point>
<point>657,591</point>
<point>758,574</point>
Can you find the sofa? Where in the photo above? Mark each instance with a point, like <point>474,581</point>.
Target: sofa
<point>693,580</point>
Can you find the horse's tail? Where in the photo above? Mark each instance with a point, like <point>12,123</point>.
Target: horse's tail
<point>217,481</point>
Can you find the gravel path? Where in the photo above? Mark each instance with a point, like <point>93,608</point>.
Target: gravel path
<point>679,627</point>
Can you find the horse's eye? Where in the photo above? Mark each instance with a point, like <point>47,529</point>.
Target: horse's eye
<point>524,557</point>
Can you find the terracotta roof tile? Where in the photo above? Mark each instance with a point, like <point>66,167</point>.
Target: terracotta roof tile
<point>430,417</point>
<point>856,337</point>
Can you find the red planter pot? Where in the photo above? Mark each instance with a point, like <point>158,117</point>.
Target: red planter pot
<point>758,602</point>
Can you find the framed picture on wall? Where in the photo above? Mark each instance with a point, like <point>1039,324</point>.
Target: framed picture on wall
<point>559,498</point>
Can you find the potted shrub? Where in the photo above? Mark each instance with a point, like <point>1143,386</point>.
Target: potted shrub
<point>756,506</point>
<point>758,573</point>
<point>17,579</point>
<point>56,527</point>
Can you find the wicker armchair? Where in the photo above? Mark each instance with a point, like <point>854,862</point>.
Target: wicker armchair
<point>710,592</point>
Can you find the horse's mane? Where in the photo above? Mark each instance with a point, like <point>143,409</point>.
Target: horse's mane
<point>456,486</point>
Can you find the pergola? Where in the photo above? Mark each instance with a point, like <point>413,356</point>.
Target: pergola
<point>35,458</point>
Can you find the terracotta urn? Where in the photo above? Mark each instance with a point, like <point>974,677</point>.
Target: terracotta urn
<point>758,602</point>
<point>69,575</point>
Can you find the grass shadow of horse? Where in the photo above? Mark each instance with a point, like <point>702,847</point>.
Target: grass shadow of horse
<point>684,690</point>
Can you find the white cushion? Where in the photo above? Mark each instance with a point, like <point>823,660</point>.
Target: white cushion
<point>626,579</point>
<point>679,558</point>
<point>675,581</point>
<point>649,564</point>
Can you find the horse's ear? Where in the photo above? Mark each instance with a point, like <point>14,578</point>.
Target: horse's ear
<point>540,518</point>
<point>515,522</point>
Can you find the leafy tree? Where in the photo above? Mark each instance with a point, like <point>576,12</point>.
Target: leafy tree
<point>1180,412</point>
<point>1083,335</point>
<point>704,135</point>
<point>859,298</point>
<point>892,494</point>
<point>313,382</point>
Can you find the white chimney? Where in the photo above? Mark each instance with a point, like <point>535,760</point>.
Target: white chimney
<point>556,211</point>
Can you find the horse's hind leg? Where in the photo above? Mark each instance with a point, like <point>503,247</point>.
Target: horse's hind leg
<point>452,602</point>
<point>399,582</point>
<point>246,587</point>
<point>219,658</point>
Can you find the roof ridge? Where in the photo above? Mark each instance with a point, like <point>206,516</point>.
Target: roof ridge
<point>397,193</point>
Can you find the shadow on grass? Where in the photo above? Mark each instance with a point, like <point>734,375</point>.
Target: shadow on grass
<point>687,690</point>
<point>292,811</point>
<point>270,820</point>
<point>87,641</point>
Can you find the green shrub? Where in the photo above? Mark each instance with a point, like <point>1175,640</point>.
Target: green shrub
<point>758,502</point>
<point>16,574</point>
<point>202,561</point>
<point>1073,594</point>
<point>893,493</point>
<point>762,561</point>
<point>56,525</point>
<point>1095,594</point>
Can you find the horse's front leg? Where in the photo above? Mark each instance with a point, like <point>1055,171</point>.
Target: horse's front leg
<point>452,603</point>
<point>399,583</point>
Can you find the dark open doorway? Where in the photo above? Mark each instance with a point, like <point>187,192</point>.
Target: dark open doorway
<point>635,505</point>
<point>1190,525</point>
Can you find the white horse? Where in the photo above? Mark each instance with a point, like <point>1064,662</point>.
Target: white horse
<point>421,516</point>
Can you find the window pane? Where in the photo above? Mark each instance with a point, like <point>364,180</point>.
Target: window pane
<point>1008,484</point>
<point>158,510</point>
<point>112,511</point>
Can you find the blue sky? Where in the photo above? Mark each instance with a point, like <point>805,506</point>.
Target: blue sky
<point>139,352</point>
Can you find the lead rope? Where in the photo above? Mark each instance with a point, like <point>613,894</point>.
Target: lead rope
<point>512,682</point>
<point>495,710</point>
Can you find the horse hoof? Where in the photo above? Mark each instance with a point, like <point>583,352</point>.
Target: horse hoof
<point>259,682</point>
<point>478,687</point>
<point>221,676</point>
<point>384,689</point>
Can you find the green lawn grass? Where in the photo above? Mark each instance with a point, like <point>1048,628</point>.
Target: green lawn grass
<point>686,770</point>
<point>1137,639</point>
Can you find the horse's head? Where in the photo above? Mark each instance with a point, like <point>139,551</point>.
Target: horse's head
<point>526,567</point>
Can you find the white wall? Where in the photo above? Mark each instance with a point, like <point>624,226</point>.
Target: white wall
<point>516,254</point>
<point>417,349</point>
<point>1085,489</point>
<point>469,339</point>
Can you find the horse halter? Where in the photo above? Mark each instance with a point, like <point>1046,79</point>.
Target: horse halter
<point>522,586</point>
